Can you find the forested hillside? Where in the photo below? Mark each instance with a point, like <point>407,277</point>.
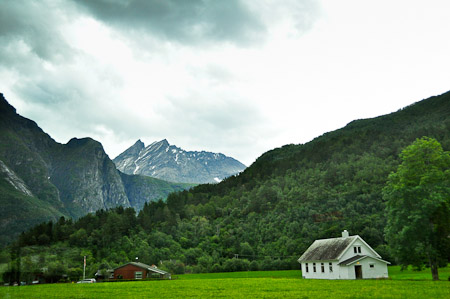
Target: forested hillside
<point>269,214</point>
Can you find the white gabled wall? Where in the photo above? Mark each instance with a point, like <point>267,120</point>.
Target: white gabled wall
<point>379,270</point>
<point>365,250</point>
<point>319,274</point>
<point>345,272</point>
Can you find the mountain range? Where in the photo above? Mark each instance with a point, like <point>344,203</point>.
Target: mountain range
<point>171,163</point>
<point>41,179</point>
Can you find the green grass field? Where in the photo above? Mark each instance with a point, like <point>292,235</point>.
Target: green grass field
<point>246,274</point>
<point>396,274</point>
<point>271,284</point>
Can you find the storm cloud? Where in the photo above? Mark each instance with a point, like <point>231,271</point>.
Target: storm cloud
<point>233,76</point>
<point>195,21</point>
<point>32,28</point>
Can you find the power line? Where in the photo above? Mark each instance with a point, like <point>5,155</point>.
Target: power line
<point>263,256</point>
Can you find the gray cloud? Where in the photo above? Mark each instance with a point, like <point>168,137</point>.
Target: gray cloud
<point>73,96</point>
<point>202,21</point>
<point>32,27</point>
<point>184,21</point>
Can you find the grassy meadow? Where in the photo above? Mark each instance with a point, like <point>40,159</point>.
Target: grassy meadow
<point>395,273</point>
<point>269,284</point>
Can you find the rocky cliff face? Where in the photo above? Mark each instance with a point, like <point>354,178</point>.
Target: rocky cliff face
<point>25,149</point>
<point>171,163</point>
<point>77,177</point>
<point>42,180</point>
<point>86,178</point>
<point>14,180</point>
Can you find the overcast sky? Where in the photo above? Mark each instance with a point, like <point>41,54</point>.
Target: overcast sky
<point>237,77</point>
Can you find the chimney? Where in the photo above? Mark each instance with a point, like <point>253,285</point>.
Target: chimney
<point>345,234</point>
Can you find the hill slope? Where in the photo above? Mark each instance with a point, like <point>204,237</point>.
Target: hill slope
<point>298,193</point>
<point>140,189</point>
<point>168,162</point>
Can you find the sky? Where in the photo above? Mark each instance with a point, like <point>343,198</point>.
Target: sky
<point>239,77</point>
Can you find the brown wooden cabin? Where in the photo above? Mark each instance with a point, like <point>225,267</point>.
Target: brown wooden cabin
<point>133,270</point>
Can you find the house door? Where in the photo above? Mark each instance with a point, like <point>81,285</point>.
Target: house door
<point>358,272</point>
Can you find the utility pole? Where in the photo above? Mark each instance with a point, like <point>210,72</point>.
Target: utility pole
<point>84,268</point>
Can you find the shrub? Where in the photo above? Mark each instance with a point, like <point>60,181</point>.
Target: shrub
<point>255,266</point>
<point>174,266</point>
<point>216,268</point>
<point>234,265</point>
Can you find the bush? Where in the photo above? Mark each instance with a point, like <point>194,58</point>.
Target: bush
<point>199,269</point>
<point>254,266</point>
<point>216,268</point>
<point>174,266</point>
<point>75,273</point>
<point>234,265</point>
<point>267,264</point>
<point>205,262</point>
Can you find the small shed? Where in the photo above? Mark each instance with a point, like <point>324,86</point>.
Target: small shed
<point>134,270</point>
<point>347,257</point>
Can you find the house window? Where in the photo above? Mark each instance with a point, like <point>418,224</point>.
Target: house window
<point>357,249</point>
<point>314,267</point>
<point>372,266</point>
<point>306,265</point>
<point>322,266</point>
<point>331,267</point>
<point>138,275</point>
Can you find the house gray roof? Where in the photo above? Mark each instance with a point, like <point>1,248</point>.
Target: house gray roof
<point>145,266</point>
<point>356,258</point>
<point>156,270</point>
<point>352,259</point>
<point>326,249</point>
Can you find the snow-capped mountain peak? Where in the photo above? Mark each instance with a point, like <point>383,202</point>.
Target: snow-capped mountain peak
<point>171,163</point>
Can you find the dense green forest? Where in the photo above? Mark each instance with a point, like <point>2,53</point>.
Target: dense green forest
<point>263,218</point>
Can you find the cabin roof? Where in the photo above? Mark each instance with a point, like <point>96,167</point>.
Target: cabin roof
<point>357,258</point>
<point>144,266</point>
<point>352,260</point>
<point>326,249</point>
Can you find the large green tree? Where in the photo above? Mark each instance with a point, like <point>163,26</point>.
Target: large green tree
<point>418,206</point>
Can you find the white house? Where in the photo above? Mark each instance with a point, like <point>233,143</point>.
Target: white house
<point>348,257</point>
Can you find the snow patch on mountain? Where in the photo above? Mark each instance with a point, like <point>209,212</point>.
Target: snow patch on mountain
<point>14,180</point>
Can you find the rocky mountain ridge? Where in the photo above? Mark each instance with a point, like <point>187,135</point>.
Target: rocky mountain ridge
<point>171,163</point>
